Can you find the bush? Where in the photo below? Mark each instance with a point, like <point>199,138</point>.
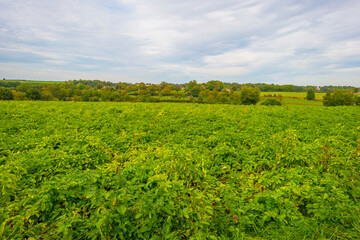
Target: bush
<point>6,94</point>
<point>339,98</point>
<point>271,101</point>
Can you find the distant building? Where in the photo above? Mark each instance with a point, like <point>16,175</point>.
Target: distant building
<point>318,89</point>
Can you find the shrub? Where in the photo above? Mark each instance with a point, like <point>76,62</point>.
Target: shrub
<point>271,101</point>
<point>339,98</point>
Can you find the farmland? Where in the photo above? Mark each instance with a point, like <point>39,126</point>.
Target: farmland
<point>108,170</point>
<point>318,95</point>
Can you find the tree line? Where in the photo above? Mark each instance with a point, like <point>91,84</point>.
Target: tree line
<point>95,91</point>
<point>213,91</point>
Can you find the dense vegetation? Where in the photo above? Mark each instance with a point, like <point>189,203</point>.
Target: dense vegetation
<point>340,98</point>
<point>74,170</point>
<point>213,91</point>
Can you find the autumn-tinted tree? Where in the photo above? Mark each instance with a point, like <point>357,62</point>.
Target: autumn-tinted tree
<point>235,97</point>
<point>142,86</point>
<point>166,89</point>
<point>202,96</point>
<point>233,88</point>
<point>163,85</point>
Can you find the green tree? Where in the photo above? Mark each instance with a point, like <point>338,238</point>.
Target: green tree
<point>142,86</point>
<point>357,99</point>
<point>191,84</point>
<point>235,97</point>
<point>340,97</point>
<point>80,86</point>
<point>33,94</point>
<point>163,85</point>
<point>310,94</point>
<point>99,85</point>
<point>249,95</point>
<point>195,91</point>
<point>233,88</point>
<point>202,96</point>
<point>214,85</point>
<point>6,94</point>
<point>166,89</point>
<point>120,86</point>
<point>23,87</point>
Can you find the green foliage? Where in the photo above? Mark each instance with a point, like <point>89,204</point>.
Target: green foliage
<point>357,99</point>
<point>214,85</point>
<point>233,88</point>
<point>178,171</point>
<point>339,98</point>
<point>6,94</point>
<point>271,101</point>
<point>310,95</point>
<point>249,95</point>
<point>33,93</point>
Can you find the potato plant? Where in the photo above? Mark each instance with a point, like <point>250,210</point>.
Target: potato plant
<point>75,170</point>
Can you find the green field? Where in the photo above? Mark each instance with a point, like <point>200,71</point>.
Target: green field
<point>76,170</point>
<point>304,102</point>
<point>295,94</point>
<point>33,81</point>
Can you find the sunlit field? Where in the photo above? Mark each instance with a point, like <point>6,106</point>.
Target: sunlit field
<point>75,170</point>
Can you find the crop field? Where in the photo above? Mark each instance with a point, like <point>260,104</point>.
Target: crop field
<point>318,95</point>
<point>296,101</point>
<point>102,170</point>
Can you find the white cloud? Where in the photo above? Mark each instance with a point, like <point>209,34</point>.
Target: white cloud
<point>158,40</point>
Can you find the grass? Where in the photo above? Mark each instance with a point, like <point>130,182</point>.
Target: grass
<point>295,101</point>
<point>318,95</point>
<point>301,102</point>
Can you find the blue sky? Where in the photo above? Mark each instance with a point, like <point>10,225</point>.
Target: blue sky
<point>273,41</point>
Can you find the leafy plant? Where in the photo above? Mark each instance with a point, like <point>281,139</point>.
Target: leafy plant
<point>104,170</point>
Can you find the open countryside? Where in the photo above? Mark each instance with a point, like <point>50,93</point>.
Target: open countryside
<point>179,120</point>
<point>154,170</point>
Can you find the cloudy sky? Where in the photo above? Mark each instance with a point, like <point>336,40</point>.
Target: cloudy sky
<point>274,41</point>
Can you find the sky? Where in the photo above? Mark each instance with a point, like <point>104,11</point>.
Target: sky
<point>309,42</point>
